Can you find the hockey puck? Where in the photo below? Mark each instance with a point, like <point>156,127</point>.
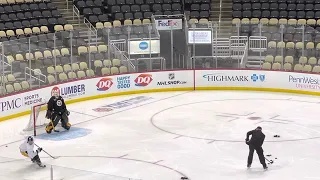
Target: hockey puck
<point>6,146</point>
<point>268,155</point>
<point>276,158</point>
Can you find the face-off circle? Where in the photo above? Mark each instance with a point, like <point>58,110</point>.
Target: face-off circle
<point>229,120</point>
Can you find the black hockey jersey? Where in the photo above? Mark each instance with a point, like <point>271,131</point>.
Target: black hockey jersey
<point>257,138</point>
<point>56,104</point>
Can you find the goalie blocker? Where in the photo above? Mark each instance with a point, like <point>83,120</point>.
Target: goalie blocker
<point>57,111</point>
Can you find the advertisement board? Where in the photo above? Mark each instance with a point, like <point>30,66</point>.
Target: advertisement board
<point>96,86</point>
<point>205,78</point>
<point>149,81</point>
<point>168,24</point>
<point>144,47</point>
<point>199,37</point>
<point>258,79</point>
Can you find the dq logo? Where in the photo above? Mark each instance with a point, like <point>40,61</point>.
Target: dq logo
<point>55,91</point>
<point>143,79</point>
<point>104,84</point>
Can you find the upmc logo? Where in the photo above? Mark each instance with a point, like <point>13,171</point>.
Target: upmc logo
<point>10,104</point>
<point>143,80</point>
<point>104,84</point>
<point>169,22</point>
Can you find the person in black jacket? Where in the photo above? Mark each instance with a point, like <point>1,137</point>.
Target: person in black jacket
<point>57,111</point>
<point>255,143</point>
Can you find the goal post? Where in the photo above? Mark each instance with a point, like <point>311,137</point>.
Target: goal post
<point>37,119</point>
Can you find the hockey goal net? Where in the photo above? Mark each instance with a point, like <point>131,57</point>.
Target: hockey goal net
<point>37,119</point>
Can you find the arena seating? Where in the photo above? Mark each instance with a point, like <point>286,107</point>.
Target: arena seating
<point>134,11</point>
<point>19,18</point>
<point>55,62</point>
<point>291,27</point>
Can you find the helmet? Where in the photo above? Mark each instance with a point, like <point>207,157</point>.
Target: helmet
<point>30,140</point>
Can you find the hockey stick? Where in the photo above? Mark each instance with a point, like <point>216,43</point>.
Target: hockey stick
<point>270,161</point>
<point>46,152</point>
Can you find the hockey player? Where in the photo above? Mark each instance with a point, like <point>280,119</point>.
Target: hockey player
<point>27,150</point>
<point>255,143</point>
<point>57,111</point>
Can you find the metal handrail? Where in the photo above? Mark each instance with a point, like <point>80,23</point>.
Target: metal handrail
<point>36,73</point>
<point>92,29</point>
<point>75,11</point>
<point>122,53</point>
<point>7,64</point>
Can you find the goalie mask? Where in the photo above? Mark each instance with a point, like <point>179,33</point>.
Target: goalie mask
<point>55,94</point>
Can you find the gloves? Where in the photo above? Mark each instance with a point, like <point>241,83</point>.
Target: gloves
<point>39,150</point>
<point>68,113</point>
<point>48,114</point>
<point>247,141</point>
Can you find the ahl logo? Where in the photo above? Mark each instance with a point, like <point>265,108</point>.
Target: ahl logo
<point>55,91</point>
<point>143,79</point>
<point>104,84</point>
<point>255,77</point>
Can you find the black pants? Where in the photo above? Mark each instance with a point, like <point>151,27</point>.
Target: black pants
<point>259,151</point>
<point>56,117</point>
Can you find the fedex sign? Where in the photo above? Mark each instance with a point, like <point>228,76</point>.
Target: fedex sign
<point>167,24</point>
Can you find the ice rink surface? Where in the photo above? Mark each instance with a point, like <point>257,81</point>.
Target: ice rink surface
<point>197,134</point>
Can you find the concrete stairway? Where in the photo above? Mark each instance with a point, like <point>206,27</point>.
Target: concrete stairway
<point>66,9</point>
<point>221,13</point>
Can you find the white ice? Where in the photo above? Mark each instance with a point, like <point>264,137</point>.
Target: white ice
<point>197,134</point>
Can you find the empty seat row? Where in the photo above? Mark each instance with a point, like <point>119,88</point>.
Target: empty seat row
<point>16,87</point>
<point>27,7</point>
<point>196,1</point>
<point>290,59</point>
<point>199,15</point>
<point>288,67</point>
<point>275,6</point>
<point>279,1</point>
<point>277,14</point>
<point>139,2</point>
<point>274,21</point>
<point>32,23</point>
<point>10,2</point>
<point>147,8</point>
<point>26,31</point>
<point>118,23</point>
<point>292,45</point>
<point>28,15</point>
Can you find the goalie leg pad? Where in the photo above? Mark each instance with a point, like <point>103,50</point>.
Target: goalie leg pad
<point>55,119</point>
<point>65,121</point>
<point>49,128</point>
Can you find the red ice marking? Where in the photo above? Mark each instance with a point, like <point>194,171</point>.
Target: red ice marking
<point>254,118</point>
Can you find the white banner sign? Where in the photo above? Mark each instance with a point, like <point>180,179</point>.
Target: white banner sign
<point>168,24</point>
<point>22,102</point>
<point>144,47</point>
<point>258,79</point>
<point>199,37</point>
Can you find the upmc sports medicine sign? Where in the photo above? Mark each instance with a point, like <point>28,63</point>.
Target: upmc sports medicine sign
<point>168,24</point>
